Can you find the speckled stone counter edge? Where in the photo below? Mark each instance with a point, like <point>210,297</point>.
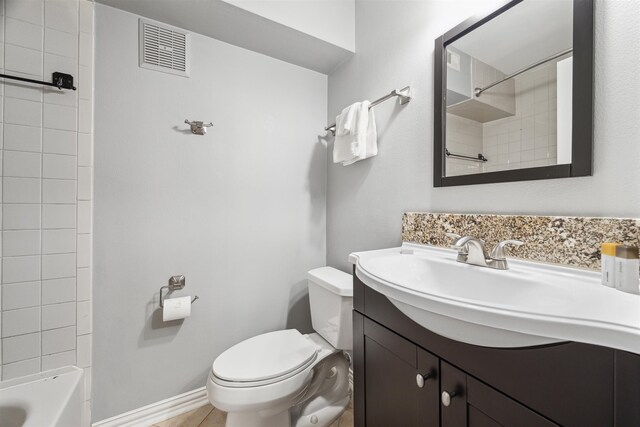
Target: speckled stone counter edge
<point>573,241</point>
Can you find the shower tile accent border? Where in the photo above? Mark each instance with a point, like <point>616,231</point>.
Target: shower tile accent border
<point>573,241</point>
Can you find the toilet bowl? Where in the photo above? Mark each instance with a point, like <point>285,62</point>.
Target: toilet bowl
<point>284,378</point>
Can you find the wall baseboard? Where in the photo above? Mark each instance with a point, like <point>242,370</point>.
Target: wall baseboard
<point>158,411</point>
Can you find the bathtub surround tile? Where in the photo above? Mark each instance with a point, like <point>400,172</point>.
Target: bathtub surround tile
<point>23,242</point>
<point>63,64</point>
<point>59,340</point>
<point>21,347</point>
<point>22,138</point>
<point>58,266</point>
<point>86,17</point>
<point>20,269</point>
<point>22,33</point>
<point>58,241</point>
<point>86,412</point>
<point>58,191</point>
<point>21,164</point>
<point>22,112</point>
<point>83,351</point>
<point>62,117</point>
<point>58,315</point>
<point>85,50</point>
<point>85,83</point>
<point>58,216</point>
<point>20,322</point>
<point>20,295</point>
<point>85,119</point>
<point>61,43</point>
<point>84,217</point>
<point>84,250</point>
<point>61,15</point>
<point>57,141</point>
<point>23,60</point>
<point>83,284</point>
<point>30,11</point>
<point>16,89</point>
<point>20,190</point>
<point>20,216</point>
<point>83,317</point>
<point>58,360</point>
<point>58,290</point>
<point>42,221</point>
<point>573,241</point>
<point>58,166</point>
<point>21,369</point>
<point>87,383</point>
<point>84,183</point>
<point>85,149</point>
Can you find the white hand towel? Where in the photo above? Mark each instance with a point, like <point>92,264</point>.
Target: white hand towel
<point>367,134</point>
<point>345,145</point>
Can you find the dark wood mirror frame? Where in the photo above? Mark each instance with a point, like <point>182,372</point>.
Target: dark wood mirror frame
<point>582,104</point>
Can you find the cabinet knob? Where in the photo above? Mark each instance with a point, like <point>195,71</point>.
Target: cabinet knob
<point>420,379</point>
<point>446,397</point>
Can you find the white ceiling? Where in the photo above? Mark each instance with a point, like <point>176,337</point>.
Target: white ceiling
<point>526,33</point>
<point>237,26</point>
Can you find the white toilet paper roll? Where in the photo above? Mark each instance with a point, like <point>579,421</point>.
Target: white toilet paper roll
<point>176,308</point>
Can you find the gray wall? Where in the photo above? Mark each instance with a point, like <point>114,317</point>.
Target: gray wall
<point>240,212</point>
<point>394,45</point>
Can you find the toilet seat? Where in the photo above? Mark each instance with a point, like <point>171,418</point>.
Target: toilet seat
<point>264,359</point>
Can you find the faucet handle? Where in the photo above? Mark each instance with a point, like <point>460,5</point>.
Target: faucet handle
<point>498,250</point>
<point>453,235</point>
<point>461,248</point>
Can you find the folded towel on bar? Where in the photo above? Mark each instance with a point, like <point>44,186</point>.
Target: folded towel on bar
<point>356,136</point>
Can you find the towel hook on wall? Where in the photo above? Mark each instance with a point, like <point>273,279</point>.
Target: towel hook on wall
<point>198,128</point>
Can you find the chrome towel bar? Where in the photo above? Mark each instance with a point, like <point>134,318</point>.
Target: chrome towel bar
<point>403,94</point>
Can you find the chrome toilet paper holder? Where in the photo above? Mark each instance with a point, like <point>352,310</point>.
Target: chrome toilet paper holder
<point>176,283</point>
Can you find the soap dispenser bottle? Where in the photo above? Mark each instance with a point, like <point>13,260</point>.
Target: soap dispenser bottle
<point>608,262</point>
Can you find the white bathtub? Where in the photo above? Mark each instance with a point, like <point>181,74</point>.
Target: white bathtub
<point>48,399</point>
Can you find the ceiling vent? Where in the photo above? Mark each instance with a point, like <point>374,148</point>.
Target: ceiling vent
<point>164,48</point>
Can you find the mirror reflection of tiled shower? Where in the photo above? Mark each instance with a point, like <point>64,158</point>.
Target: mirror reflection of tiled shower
<point>503,109</point>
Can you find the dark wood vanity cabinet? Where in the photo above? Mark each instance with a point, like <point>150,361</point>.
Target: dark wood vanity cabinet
<point>567,384</point>
<point>392,367</point>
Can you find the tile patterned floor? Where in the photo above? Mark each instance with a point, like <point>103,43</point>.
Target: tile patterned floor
<point>208,416</point>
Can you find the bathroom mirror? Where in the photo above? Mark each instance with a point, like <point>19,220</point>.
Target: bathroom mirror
<point>513,94</point>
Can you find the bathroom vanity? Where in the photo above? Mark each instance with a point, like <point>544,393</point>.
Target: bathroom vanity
<point>407,375</point>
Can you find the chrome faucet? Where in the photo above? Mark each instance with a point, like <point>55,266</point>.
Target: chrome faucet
<point>473,251</point>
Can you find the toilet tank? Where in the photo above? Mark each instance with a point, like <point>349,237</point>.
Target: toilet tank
<point>331,301</point>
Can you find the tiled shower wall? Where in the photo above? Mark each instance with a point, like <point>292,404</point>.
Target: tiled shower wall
<point>527,139</point>
<point>524,140</point>
<point>46,188</point>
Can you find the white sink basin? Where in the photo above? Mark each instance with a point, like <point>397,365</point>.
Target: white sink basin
<point>529,304</point>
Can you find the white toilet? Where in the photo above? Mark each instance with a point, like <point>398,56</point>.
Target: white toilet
<point>284,378</point>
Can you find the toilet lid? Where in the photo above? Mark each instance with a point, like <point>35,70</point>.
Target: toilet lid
<point>265,356</point>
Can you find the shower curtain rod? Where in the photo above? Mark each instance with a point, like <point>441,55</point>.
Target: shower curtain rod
<point>478,91</point>
<point>59,80</point>
<point>404,94</point>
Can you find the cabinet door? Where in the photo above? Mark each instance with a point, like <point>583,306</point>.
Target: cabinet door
<point>499,408</point>
<point>401,381</point>
<point>453,396</point>
<point>468,402</point>
<point>428,395</point>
